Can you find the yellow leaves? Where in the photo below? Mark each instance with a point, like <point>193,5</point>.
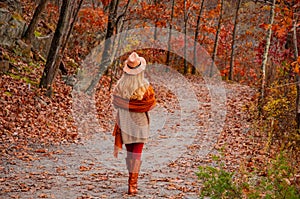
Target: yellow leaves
<point>276,107</point>
<point>266,8</point>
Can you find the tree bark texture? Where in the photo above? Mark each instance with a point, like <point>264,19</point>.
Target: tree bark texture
<point>265,57</point>
<point>196,37</point>
<point>231,69</point>
<point>28,35</point>
<point>185,67</point>
<point>296,54</point>
<point>170,33</point>
<point>108,53</point>
<point>155,25</point>
<point>74,19</point>
<point>214,55</point>
<point>113,9</point>
<point>55,54</point>
<point>116,44</point>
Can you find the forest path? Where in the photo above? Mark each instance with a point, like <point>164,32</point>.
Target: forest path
<point>88,170</point>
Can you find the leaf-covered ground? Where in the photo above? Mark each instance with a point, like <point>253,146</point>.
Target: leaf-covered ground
<point>44,156</point>
<point>48,150</point>
<point>29,118</point>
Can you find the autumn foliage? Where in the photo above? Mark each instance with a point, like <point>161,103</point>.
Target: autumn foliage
<point>30,122</point>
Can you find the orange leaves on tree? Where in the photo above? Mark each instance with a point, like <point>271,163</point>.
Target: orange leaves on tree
<point>94,17</point>
<point>155,12</point>
<point>161,24</point>
<point>296,66</point>
<point>281,32</point>
<point>208,29</point>
<point>105,2</point>
<point>224,72</point>
<point>89,21</point>
<point>264,26</point>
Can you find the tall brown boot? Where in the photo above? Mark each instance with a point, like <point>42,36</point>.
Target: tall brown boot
<point>133,166</point>
<point>129,163</point>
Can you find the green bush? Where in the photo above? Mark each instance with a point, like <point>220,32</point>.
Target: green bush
<point>217,183</point>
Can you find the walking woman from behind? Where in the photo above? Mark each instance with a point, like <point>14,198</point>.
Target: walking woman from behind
<point>133,97</point>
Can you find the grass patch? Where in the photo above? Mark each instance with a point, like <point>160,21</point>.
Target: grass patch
<point>37,34</point>
<point>274,183</point>
<point>25,79</point>
<point>9,94</point>
<point>18,17</point>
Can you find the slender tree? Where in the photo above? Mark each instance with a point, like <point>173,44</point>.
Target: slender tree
<point>265,56</point>
<point>156,20</point>
<point>29,33</point>
<point>116,43</point>
<point>214,55</point>
<point>196,36</point>
<point>296,54</point>
<point>231,69</point>
<point>74,19</point>
<point>68,8</point>
<point>107,55</point>
<point>170,33</point>
<point>111,24</point>
<point>185,67</point>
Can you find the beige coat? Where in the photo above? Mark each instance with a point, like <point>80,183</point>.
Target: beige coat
<point>134,126</point>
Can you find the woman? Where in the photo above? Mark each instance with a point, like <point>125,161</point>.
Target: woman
<point>133,97</point>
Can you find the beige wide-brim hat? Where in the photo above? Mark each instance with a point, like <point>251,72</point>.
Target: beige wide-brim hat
<point>134,64</point>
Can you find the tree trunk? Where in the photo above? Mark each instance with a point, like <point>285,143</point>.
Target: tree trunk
<point>94,4</point>
<point>113,9</point>
<point>116,43</point>
<point>64,45</point>
<point>74,19</point>
<point>231,69</point>
<point>170,33</point>
<point>296,54</point>
<point>55,54</point>
<point>265,58</point>
<point>108,54</point>
<point>28,35</point>
<point>155,25</point>
<point>185,67</point>
<point>217,38</point>
<point>298,101</point>
<point>196,37</point>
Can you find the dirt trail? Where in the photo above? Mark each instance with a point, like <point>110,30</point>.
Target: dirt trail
<point>88,170</point>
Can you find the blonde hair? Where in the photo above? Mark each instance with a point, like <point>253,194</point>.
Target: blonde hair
<point>132,86</point>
